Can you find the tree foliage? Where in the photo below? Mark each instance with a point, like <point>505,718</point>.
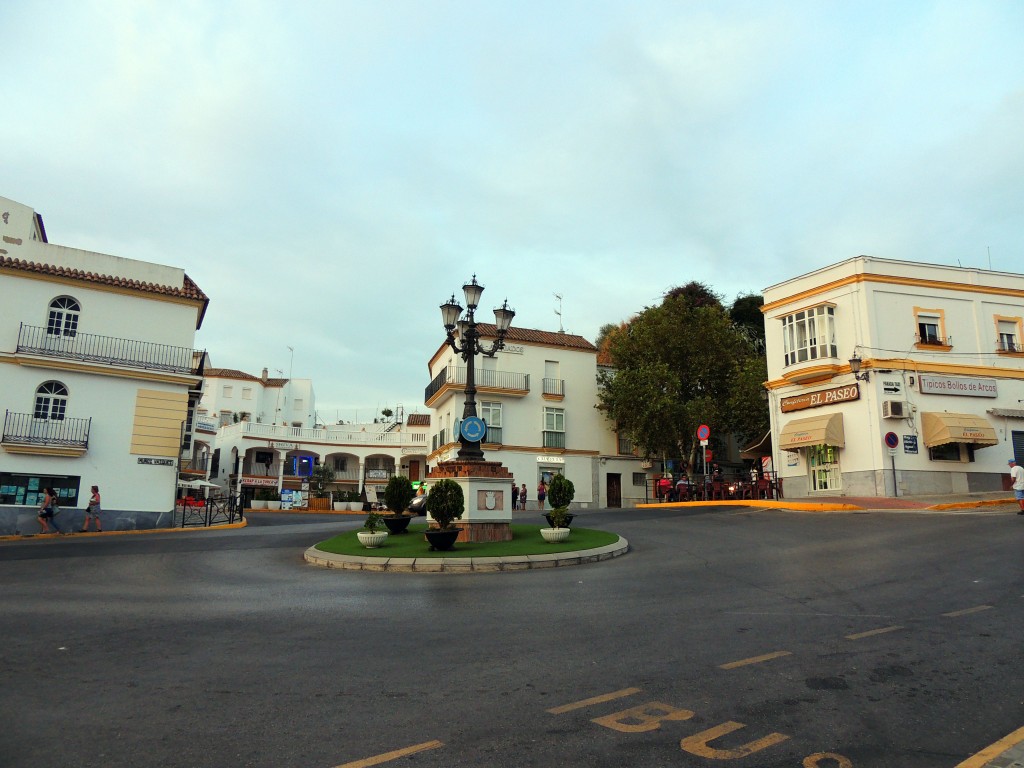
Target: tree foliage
<point>398,493</point>
<point>678,365</point>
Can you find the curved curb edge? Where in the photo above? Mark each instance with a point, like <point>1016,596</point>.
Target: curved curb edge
<point>314,556</point>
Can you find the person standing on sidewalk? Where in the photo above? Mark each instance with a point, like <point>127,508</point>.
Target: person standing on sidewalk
<point>92,510</point>
<point>47,510</point>
<point>1017,476</point>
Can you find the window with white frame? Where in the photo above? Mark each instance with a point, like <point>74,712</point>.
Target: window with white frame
<point>228,390</point>
<point>929,327</point>
<point>51,401</point>
<point>810,334</point>
<point>490,412</point>
<point>1009,330</point>
<point>554,428</point>
<point>247,393</point>
<point>62,319</point>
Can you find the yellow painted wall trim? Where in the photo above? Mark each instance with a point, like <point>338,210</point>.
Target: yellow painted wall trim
<point>75,366</point>
<point>869,277</point>
<point>44,450</point>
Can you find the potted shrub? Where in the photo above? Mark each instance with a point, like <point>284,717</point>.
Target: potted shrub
<point>397,496</point>
<point>340,502</point>
<point>261,497</point>
<point>372,537</point>
<point>274,499</point>
<point>560,493</point>
<point>355,501</point>
<point>321,477</point>
<point>445,505</point>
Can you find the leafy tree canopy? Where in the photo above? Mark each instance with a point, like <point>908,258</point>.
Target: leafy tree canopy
<point>678,365</point>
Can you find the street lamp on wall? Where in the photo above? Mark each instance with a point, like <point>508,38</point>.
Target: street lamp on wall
<point>472,430</point>
<point>855,362</point>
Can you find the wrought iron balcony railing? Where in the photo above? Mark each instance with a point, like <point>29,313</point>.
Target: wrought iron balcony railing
<point>26,429</point>
<point>518,382</point>
<point>554,387</point>
<point>1004,345</point>
<point>554,439</point>
<point>89,347</point>
<point>932,339</point>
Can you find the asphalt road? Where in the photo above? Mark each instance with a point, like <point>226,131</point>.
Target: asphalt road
<point>726,637</point>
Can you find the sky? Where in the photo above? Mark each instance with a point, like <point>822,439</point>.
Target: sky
<point>330,173</point>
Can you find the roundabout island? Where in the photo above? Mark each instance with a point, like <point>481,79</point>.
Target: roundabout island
<point>410,552</point>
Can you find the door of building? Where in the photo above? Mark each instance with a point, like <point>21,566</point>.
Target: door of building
<point>414,471</point>
<point>823,465</point>
<point>614,483</point>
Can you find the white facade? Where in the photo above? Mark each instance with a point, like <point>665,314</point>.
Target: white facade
<point>98,370</point>
<point>943,363</point>
<point>537,397</point>
<point>264,435</point>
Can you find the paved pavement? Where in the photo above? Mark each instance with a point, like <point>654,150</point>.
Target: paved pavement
<point>1008,752</point>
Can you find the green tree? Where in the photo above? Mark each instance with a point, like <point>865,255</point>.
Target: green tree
<point>398,493</point>
<point>321,477</point>
<point>676,366</point>
<point>745,313</point>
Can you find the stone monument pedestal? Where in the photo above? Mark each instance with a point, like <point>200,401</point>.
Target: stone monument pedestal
<point>487,490</point>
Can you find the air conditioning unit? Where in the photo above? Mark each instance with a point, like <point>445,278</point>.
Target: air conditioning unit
<point>894,409</point>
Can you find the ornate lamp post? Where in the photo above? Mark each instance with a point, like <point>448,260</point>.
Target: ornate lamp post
<point>472,430</point>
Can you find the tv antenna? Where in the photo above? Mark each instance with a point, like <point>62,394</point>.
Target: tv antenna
<point>559,312</point>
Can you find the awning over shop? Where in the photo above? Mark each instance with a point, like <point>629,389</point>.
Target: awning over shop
<point>826,429</point>
<point>940,428</point>
<point>756,450</point>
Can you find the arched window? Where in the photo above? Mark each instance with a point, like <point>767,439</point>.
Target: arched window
<point>63,318</point>
<point>51,401</point>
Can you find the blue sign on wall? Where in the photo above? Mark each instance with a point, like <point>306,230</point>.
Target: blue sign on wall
<point>910,443</point>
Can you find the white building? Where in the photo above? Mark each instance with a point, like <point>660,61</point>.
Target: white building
<point>942,378</point>
<point>537,397</point>
<point>98,372</point>
<point>261,432</point>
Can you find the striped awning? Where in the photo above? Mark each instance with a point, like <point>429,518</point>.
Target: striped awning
<point>940,428</point>
<point>826,429</point>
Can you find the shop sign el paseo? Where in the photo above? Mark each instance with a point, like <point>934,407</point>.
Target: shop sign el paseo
<point>821,397</point>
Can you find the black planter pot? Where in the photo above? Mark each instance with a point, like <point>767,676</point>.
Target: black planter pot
<point>397,523</point>
<point>568,520</point>
<point>442,541</point>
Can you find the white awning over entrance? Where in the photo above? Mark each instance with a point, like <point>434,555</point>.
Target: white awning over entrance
<point>826,429</point>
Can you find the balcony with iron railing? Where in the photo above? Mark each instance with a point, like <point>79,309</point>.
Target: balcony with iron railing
<point>554,439</point>
<point>88,347</point>
<point>453,379</point>
<point>1009,346</point>
<point>23,431</point>
<point>395,438</point>
<point>553,389</point>
<point>933,340</point>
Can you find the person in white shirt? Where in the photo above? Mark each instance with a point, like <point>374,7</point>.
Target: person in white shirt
<point>1017,476</point>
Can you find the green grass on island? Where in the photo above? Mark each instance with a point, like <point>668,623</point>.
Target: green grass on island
<point>526,540</point>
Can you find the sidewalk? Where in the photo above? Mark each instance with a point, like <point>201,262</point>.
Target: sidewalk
<point>943,502</point>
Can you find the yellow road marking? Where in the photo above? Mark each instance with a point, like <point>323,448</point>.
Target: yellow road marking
<point>966,611</point>
<point>872,632</point>
<point>993,750</point>
<point>754,660</point>
<point>595,700</point>
<point>389,756</point>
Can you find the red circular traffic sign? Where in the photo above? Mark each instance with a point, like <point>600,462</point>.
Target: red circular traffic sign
<point>703,432</point>
<point>891,439</point>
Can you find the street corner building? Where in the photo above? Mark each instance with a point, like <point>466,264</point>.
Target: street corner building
<point>99,377</point>
<point>893,378</point>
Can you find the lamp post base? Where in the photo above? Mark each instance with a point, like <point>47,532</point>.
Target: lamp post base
<point>486,490</point>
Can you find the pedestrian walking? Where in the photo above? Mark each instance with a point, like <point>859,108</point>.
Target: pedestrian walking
<point>522,497</point>
<point>47,511</point>
<point>515,495</point>
<point>1017,476</point>
<point>92,510</point>
<point>542,493</point>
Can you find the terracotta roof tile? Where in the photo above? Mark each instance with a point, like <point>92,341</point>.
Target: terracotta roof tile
<point>550,338</point>
<point>188,290</point>
<point>418,420</point>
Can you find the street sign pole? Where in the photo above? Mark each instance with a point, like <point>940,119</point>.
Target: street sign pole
<point>891,440</point>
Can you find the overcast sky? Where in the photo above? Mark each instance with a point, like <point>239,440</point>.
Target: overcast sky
<point>330,172</point>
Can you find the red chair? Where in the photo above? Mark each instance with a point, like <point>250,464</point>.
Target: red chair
<point>718,489</point>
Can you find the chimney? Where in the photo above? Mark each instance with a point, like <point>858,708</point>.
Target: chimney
<point>263,378</point>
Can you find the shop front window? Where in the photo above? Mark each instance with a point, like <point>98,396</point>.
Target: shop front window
<point>823,465</point>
